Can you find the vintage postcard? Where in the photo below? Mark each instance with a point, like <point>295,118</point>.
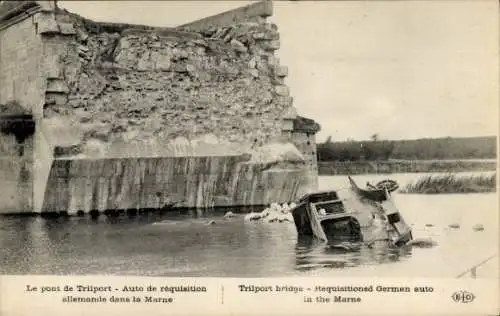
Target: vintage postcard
<point>249,157</point>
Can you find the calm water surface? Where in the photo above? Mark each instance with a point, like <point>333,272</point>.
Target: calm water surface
<point>183,244</point>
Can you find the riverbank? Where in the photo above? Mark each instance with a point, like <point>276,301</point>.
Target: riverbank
<point>451,183</point>
<point>404,166</point>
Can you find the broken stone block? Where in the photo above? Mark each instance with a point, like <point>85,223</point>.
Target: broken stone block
<point>47,23</point>
<point>67,29</point>
<point>278,81</point>
<point>83,48</point>
<point>262,65</point>
<point>56,85</point>
<point>124,43</point>
<point>199,50</point>
<point>219,33</point>
<point>190,68</point>
<point>55,98</point>
<point>267,35</point>
<point>121,58</point>
<point>244,82</point>
<point>258,19</point>
<point>283,101</point>
<point>178,67</point>
<point>144,62</point>
<point>282,90</point>
<point>271,45</point>
<point>254,73</point>
<point>290,113</point>
<point>252,63</point>
<point>46,6</point>
<point>200,42</point>
<point>81,35</point>
<point>161,61</point>
<point>281,71</point>
<point>271,27</point>
<point>155,45</point>
<point>238,46</point>
<point>273,61</point>
<point>179,54</point>
<point>259,36</point>
<point>287,125</point>
<point>85,56</point>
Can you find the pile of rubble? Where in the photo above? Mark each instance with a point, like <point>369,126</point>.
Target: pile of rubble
<point>274,213</point>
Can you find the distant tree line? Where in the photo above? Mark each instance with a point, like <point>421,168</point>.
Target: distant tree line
<point>419,149</point>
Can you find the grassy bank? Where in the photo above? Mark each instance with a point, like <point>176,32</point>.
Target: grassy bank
<point>456,148</point>
<point>404,166</point>
<point>436,184</point>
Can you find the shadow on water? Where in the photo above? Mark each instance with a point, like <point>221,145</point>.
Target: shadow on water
<point>312,254</point>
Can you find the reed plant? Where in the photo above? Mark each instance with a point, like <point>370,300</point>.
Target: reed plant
<point>452,183</point>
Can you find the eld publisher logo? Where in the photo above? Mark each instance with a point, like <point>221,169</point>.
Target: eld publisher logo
<point>463,297</point>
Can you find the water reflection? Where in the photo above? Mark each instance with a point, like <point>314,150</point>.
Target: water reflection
<point>182,244</point>
<point>176,244</point>
<point>312,254</point>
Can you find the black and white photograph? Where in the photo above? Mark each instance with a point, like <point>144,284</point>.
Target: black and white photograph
<point>249,139</point>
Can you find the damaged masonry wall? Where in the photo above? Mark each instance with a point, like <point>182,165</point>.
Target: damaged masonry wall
<point>146,86</point>
<point>204,104</point>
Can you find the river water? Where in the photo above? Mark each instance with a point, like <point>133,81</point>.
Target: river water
<point>184,244</point>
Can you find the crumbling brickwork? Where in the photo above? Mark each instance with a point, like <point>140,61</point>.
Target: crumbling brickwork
<point>132,82</point>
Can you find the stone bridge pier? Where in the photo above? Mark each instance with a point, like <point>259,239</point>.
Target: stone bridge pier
<point>103,116</point>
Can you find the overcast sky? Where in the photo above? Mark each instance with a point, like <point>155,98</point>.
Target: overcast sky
<point>403,69</point>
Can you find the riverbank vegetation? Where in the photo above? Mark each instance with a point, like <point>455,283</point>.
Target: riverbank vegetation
<point>404,166</point>
<point>451,183</point>
<point>407,156</point>
<point>420,149</point>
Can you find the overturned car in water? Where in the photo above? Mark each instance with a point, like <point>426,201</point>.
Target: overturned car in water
<point>352,215</point>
